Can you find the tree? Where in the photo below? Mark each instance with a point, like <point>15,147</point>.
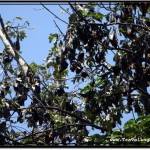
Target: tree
<point>101,93</point>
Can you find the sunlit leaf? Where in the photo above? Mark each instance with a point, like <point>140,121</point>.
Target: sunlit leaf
<point>19,18</point>
<point>52,36</point>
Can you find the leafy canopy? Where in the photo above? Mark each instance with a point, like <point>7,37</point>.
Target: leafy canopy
<point>78,86</point>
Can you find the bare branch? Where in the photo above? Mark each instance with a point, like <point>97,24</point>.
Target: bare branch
<point>53,13</point>
<point>64,10</point>
<point>58,28</point>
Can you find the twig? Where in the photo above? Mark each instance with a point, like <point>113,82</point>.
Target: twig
<point>119,23</point>
<point>58,28</point>
<point>69,125</point>
<point>64,10</point>
<point>115,23</point>
<point>53,13</point>
<point>105,7</point>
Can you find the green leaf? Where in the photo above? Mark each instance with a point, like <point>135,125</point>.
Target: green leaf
<point>72,18</point>
<point>84,12</point>
<point>107,16</point>
<point>13,133</point>
<point>52,36</point>
<point>8,22</point>
<point>11,70</point>
<point>129,123</point>
<point>116,57</point>
<point>148,9</point>
<point>12,34</point>
<point>145,122</point>
<point>97,16</point>
<point>99,82</point>
<point>29,141</point>
<point>85,89</point>
<point>121,30</point>
<point>130,132</point>
<point>22,34</point>
<point>117,132</point>
<point>34,66</point>
<point>19,18</point>
<point>27,22</point>
<point>53,49</point>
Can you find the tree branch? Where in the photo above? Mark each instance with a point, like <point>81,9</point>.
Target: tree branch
<point>64,10</point>
<point>103,6</point>
<point>73,115</point>
<point>115,23</point>
<point>9,47</point>
<point>58,28</point>
<point>136,25</point>
<point>129,51</point>
<point>78,13</point>
<point>53,13</point>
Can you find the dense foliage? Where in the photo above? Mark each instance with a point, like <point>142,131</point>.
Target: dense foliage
<point>95,73</point>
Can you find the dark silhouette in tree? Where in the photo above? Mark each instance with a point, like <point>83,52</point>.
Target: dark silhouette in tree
<point>102,91</point>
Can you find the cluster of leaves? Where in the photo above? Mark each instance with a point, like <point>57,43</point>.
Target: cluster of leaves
<point>59,115</point>
<point>135,132</point>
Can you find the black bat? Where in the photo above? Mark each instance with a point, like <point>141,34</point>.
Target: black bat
<point>17,43</point>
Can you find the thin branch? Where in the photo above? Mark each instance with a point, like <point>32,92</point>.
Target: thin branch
<point>71,125</point>
<point>19,27</point>
<point>77,117</point>
<point>58,28</point>
<point>40,133</point>
<point>115,23</point>
<point>136,25</point>
<point>64,10</point>
<point>129,51</point>
<point>53,13</point>
<point>119,23</point>
<point>103,6</point>
<point>72,115</point>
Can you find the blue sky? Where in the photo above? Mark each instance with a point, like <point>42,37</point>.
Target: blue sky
<point>36,46</point>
